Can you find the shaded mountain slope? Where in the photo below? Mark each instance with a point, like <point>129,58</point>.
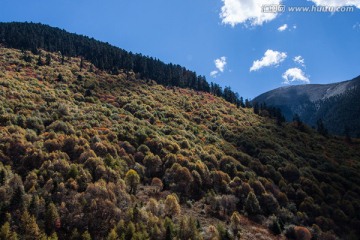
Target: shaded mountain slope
<point>76,142</point>
<point>336,104</point>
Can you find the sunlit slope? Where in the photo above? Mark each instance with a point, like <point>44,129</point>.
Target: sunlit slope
<point>70,133</point>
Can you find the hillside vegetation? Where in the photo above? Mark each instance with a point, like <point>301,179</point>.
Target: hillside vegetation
<point>34,36</point>
<point>89,155</point>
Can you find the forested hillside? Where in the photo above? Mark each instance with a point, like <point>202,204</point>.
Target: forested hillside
<point>85,154</point>
<point>31,36</point>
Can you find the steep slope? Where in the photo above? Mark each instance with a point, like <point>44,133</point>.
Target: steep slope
<point>34,36</point>
<point>336,104</point>
<point>76,142</point>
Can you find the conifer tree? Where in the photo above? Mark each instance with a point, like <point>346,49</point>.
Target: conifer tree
<point>29,228</point>
<point>48,59</point>
<point>252,206</point>
<point>132,180</point>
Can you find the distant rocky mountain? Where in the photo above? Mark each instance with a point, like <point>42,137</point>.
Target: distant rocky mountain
<point>337,104</point>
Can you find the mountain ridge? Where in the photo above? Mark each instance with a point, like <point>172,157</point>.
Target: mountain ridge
<point>312,102</point>
<point>328,86</point>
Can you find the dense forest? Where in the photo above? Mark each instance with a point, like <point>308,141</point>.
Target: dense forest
<point>85,154</point>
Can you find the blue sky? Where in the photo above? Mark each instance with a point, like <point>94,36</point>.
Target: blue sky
<point>231,42</point>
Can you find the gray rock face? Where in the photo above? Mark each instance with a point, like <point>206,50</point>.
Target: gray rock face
<point>314,101</point>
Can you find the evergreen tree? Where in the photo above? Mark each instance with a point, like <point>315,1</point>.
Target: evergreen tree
<point>39,61</point>
<point>75,235</point>
<point>172,207</point>
<point>256,108</point>
<point>235,224</point>
<point>16,201</point>
<point>298,123</point>
<point>132,180</point>
<point>321,128</point>
<point>60,78</point>
<point>86,236</point>
<point>62,59</point>
<point>242,104</point>
<point>48,59</point>
<point>2,177</point>
<point>81,64</point>
<point>130,231</point>
<point>29,228</point>
<point>5,231</point>
<point>51,218</point>
<point>247,103</point>
<point>113,235</point>
<point>27,57</point>
<point>169,229</point>
<point>347,134</point>
<point>252,206</point>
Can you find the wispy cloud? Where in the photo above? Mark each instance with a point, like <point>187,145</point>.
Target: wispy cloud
<point>270,58</point>
<point>283,28</point>
<point>220,64</point>
<point>337,3</point>
<point>295,75</point>
<point>214,73</point>
<point>356,26</point>
<point>299,60</point>
<point>235,12</point>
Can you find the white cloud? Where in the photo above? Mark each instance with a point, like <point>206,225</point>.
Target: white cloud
<point>299,60</point>
<point>337,3</point>
<point>270,58</point>
<point>283,27</point>
<point>220,63</point>
<point>293,75</point>
<point>356,26</point>
<point>235,12</point>
<point>214,73</point>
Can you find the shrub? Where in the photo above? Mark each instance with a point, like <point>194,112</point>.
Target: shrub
<point>211,233</point>
<point>52,145</point>
<point>274,225</point>
<point>157,184</point>
<point>290,172</point>
<point>152,164</point>
<point>228,165</point>
<point>302,233</point>
<point>179,179</point>
<point>269,203</point>
<point>257,186</point>
<point>60,126</point>
<point>35,123</point>
<point>220,181</point>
